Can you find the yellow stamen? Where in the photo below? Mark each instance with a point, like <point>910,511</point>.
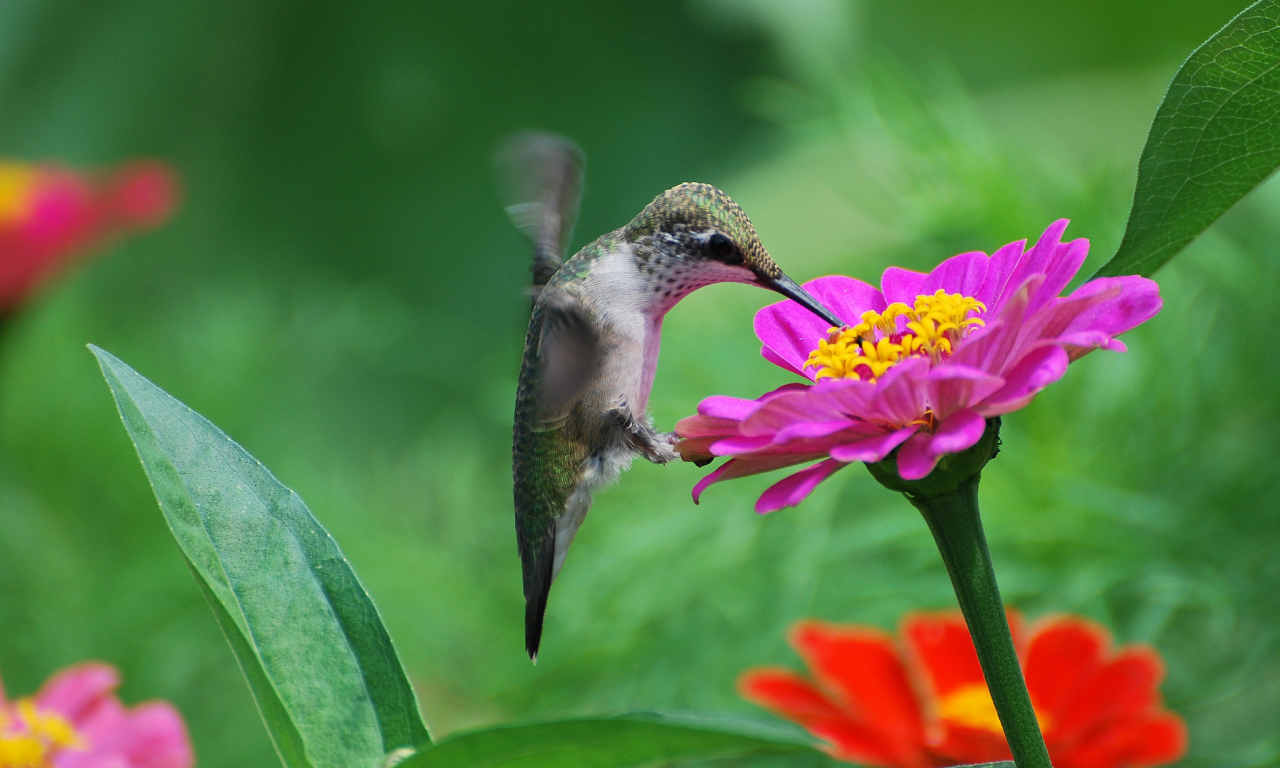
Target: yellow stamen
<point>16,182</point>
<point>933,328</point>
<point>970,706</point>
<point>51,727</point>
<point>34,737</point>
<point>22,752</point>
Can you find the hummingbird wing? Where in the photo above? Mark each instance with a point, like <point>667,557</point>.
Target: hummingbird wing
<point>569,354</point>
<point>541,179</point>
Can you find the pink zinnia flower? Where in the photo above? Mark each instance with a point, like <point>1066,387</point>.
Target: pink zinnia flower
<point>932,358</point>
<point>50,216</point>
<point>76,721</point>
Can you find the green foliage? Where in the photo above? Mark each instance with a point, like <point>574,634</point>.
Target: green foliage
<point>1215,137</point>
<point>308,638</point>
<point>619,742</point>
<point>343,293</point>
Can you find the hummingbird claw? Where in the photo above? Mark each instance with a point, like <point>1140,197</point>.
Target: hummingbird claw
<point>661,450</point>
<point>658,448</point>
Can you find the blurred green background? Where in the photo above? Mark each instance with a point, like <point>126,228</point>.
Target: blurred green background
<point>342,294</point>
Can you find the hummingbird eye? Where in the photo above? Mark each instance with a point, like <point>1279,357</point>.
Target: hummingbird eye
<point>721,248</point>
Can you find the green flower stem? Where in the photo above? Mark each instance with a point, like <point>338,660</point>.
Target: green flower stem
<point>948,500</point>
<point>957,528</point>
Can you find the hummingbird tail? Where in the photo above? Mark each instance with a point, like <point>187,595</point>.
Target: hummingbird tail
<point>537,585</point>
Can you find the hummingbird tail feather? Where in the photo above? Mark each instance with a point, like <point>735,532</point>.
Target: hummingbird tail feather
<point>537,584</point>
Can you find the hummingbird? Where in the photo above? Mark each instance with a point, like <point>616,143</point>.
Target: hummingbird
<point>592,345</point>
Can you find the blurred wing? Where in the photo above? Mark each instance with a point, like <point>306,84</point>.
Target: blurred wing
<point>541,182</point>
<point>569,354</point>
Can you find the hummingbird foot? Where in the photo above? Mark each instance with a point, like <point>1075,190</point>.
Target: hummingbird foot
<point>658,451</point>
<point>661,447</point>
<point>654,446</point>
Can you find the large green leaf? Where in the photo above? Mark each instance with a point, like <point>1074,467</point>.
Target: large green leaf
<point>1216,136</point>
<point>317,657</point>
<point>618,742</point>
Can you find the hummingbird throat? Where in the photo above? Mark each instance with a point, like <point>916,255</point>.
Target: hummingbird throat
<point>932,328</point>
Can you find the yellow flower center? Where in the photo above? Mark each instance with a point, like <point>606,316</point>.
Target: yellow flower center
<point>970,706</point>
<point>34,736</point>
<point>16,182</point>
<point>934,326</point>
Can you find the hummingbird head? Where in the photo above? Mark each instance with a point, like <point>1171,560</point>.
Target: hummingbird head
<point>694,235</point>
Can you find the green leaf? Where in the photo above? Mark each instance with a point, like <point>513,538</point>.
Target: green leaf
<point>1215,137</point>
<point>619,742</point>
<point>308,638</point>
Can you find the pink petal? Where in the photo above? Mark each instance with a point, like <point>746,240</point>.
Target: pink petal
<point>77,692</point>
<point>963,274</point>
<point>1078,345</point>
<point>157,738</point>
<point>920,454</point>
<point>1057,315</point>
<point>1065,264</point>
<point>900,394</point>
<point>150,735</point>
<point>902,285</point>
<point>104,732</point>
<point>1037,370</point>
<point>711,479</point>
<point>807,430</point>
<point>1050,257</point>
<point>773,357</point>
<point>872,449</point>
<point>735,445</point>
<point>792,332</point>
<point>725,407</point>
<point>839,394</point>
<point>1139,301</point>
<point>735,468</point>
<point>794,489</point>
<point>795,386</point>
<point>999,267</point>
<point>143,193</point>
<point>950,388</point>
<point>994,347</point>
<point>1040,259</point>
<point>845,296</point>
<point>787,409</point>
<point>847,397</point>
<point>706,426</point>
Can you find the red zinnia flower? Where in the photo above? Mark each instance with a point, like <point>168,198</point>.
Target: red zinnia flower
<point>50,215</point>
<point>927,704</point>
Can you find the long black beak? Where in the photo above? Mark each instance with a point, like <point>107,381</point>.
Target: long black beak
<point>789,288</point>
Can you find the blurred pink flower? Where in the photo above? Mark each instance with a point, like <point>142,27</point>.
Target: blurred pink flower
<point>50,216</point>
<point>932,359</point>
<point>76,721</point>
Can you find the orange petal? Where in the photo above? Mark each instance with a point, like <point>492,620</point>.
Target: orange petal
<point>860,744</point>
<point>1062,655</point>
<point>1124,688</point>
<point>860,666</point>
<point>795,698</point>
<point>1142,742</point>
<point>960,745</point>
<point>786,693</point>
<point>940,647</point>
